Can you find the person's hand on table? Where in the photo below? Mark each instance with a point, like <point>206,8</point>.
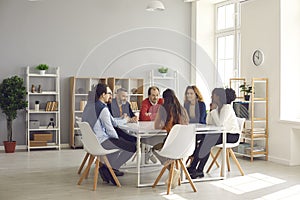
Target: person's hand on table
<point>133,119</point>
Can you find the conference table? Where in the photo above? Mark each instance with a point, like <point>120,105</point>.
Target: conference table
<point>146,129</point>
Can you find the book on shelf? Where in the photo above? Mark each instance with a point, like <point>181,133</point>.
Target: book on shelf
<point>255,130</point>
<point>51,106</point>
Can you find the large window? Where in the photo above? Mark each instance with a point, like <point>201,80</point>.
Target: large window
<point>290,60</point>
<point>227,37</point>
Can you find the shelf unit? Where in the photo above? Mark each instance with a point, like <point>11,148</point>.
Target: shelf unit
<point>79,89</point>
<point>235,84</point>
<point>256,132</point>
<point>134,87</point>
<point>38,119</point>
<point>164,81</point>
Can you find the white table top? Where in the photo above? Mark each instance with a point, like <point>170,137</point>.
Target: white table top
<point>148,127</point>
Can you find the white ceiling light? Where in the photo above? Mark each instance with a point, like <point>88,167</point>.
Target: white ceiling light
<point>155,6</point>
<point>189,1</point>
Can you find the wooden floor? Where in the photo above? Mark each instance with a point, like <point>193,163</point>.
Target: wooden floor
<point>53,174</point>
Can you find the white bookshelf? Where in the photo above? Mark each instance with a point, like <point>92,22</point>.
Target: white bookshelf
<point>50,92</point>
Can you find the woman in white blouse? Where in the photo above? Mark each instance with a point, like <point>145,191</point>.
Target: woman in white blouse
<point>221,114</point>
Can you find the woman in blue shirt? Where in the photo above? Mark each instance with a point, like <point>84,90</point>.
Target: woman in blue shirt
<point>194,105</point>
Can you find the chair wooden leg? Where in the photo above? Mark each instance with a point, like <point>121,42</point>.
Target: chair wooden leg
<point>189,160</point>
<point>178,168</point>
<point>111,171</point>
<point>83,163</point>
<point>160,175</point>
<point>91,159</point>
<point>236,161</point>
<point>86,171</point>
<point>170,178</point>
<point>214,159</point>
<point>227,159</point>
<point>96,171</point>
<point>187,175</point>
<point>213,156</point>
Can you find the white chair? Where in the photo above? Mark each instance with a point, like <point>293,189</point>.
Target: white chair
<point>179,144</point>
<point>87,155</point>
<point>229,150</point>
<point>95,150</point>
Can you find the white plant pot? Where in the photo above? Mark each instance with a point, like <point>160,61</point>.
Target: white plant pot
<point>163,75</point>
<point>42,72</point>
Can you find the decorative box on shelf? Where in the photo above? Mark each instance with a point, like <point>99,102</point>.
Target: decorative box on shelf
<point>37,143</point>
<point>34,124</point>
<point>47,137</point>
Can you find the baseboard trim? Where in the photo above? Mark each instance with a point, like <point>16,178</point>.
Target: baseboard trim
<point>279,160</point>
<point>24,147</point>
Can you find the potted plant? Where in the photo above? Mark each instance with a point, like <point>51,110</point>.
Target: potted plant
<point>163,71</point>
<point>42,68</point>
<point>12,99</point>
<point>247,89</point>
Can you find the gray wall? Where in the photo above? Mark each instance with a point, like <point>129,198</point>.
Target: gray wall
<point>91,38</point>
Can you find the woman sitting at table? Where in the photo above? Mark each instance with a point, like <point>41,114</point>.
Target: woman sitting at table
<point>194,105</point>
<point>221,114</point>
<point>169,114</point>
<point>196,110</point>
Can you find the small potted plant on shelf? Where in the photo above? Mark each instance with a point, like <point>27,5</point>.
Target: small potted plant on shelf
<point>42,68</point>
<point>163,71</point>
<point>247,89</point>
<point>12,99</point>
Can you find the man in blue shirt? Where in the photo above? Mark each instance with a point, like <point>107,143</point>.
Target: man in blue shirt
<point>97,114</point>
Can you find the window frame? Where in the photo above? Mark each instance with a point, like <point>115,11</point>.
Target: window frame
<point>235,31</point>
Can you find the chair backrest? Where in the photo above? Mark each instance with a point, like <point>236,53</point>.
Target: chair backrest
<point>180,142</point>
<point>241,122</point>
<point>90,141</point>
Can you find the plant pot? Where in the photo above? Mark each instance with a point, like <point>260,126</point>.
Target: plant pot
<point>163,75</point>
<point>9,147</point>
<point>42,72</point>
<point>247,97</point>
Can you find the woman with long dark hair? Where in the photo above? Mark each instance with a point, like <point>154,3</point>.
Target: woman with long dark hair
<point>221,114</point>
<point>169,114</point>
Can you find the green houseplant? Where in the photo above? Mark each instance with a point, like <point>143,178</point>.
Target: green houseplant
<point>163,71</point>
<point>42,68</point>
<point>247,89</point>
<point>12,99</point>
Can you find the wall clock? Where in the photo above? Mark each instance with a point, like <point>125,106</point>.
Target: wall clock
<point>258,57</point>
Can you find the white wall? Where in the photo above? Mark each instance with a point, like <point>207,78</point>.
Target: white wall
<point>91,38</point>
<point>260,29</point>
